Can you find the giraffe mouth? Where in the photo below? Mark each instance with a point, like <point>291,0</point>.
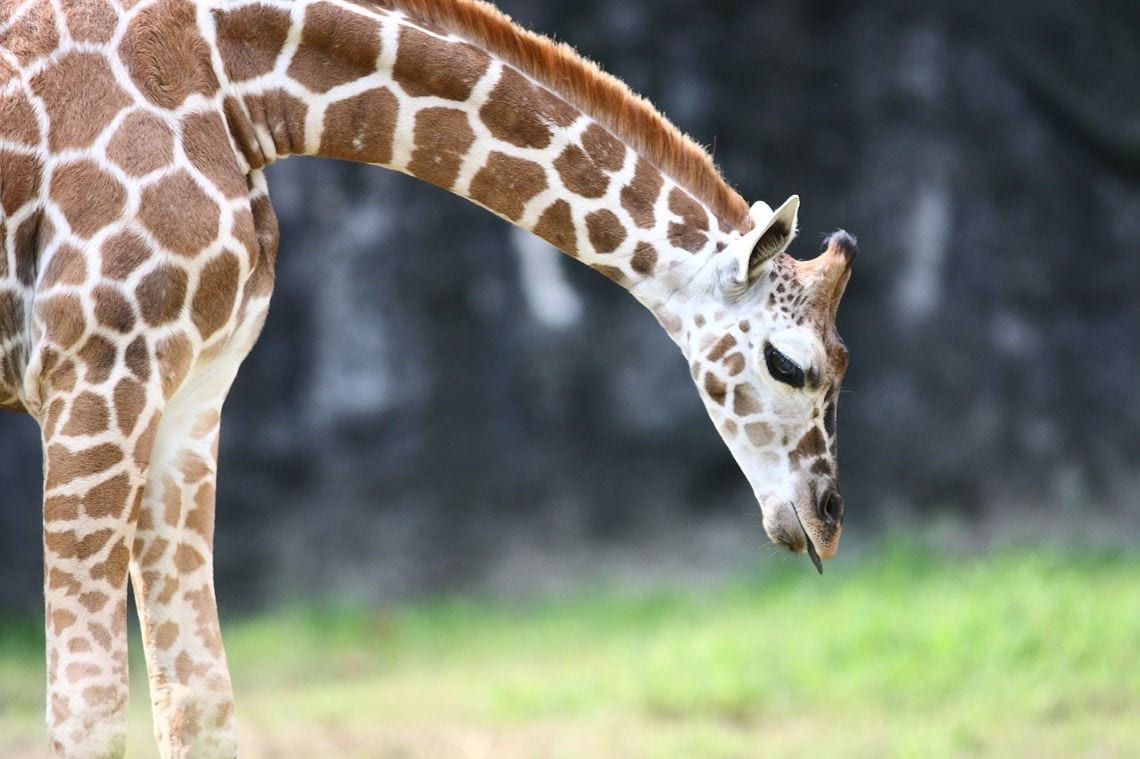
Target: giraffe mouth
<point>812,553</point>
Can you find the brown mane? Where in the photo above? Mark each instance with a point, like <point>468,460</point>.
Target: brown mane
<point>601,96</point>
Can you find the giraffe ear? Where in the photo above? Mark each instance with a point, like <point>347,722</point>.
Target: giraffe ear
<point>771,234</point>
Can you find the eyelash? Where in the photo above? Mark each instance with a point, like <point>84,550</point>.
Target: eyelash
<point>782,368</point>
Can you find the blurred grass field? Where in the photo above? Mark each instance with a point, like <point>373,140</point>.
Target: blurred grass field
<point>1022,652</point>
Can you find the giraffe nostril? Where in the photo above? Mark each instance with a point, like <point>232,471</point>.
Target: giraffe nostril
<point>830,506</point>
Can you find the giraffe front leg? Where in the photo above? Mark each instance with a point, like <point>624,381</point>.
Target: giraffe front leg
<point>172,571</point>
<point>95,472</point>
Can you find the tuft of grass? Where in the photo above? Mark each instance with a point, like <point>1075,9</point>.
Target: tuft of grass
<point>903,652</point>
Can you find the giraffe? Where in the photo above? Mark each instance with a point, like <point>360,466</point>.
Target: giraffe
<point>138,256</point>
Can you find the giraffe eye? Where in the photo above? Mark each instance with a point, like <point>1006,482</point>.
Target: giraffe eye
<point>782,368</point>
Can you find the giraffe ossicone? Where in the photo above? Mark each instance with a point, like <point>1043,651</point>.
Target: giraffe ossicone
<point>137,264</point>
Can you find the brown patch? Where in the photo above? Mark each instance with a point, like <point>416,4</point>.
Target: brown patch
<point>250,40</point>
<point>61,619</point>
<point>174,355</point>
<point>29,234</point>
<point>22,174</point>
<point>519,113</point>
<point>61,508</point>
<point>644,258</point>
<point>207,144</point>
<point>114,567</point>
<point>89,416</point>
<point>361,128</point>
<point>284,117</point>
<point>161,295</point>
<point>179,214</point>
<point>639,197</point>
<point>130,400</point>
<point>810,445</point>
<point>213,302</point>
<point>19,123</point>
<point>505,184</point>
<point>723,346</point>
<point>165,635</point>
<point>428,66</point>
<point>605,230</point>
<point>64,319</point>
<point>165,54</point>
<point>75,122</point>
<point>613,273</point>
<point>745,401</point>
<point>67,266</point>
<point>99,355</point>
<point>337,46</point>
<point>187,558</point>
<point>91,20</point>
<point>759,433</point>
<point>63,466</point>
<point>579,174</point>
<point>144,446</point>
<point>604,149</point>
<point>122,253</point>
<point>68,544</point>
<point>734,364</point>
<point>201,518</point>
<point>557,227</point>
<point>89,197</point>
<point>821,467</point>
<point>109,498</point>
<point>112,310</point>
<point>443,137</point>
<point>690,234</point>
<point>715,388</point>
<point>193,468</point>
<point>34,34</point>
<point>138,358</point>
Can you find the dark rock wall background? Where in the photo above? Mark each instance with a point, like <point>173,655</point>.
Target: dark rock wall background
<point>433,387</point>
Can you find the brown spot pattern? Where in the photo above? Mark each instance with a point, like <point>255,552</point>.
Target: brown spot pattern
<point>112,310</point>
<point>337,46</point>
<point>34,35</point>
<point>361,128</point>
<point>160,295</point>
<point>580,175</point>
<point>89,197</point>
<point>605,230</point>
<point>21,174</point>
<point>690,234</point>
<point>557,227</point>
<point>603,148</point>
<point>63,317</point>
<point>72,121</point>
<point>639,196</point>
<point>98,354</point>
<point>520,113</point>
<point>207,145</point>
<point>122,253</point>
<point>506,183</point>
<point>179,214</point>
<point>67,266</point>
<point>715,388</point>
<point>427,66</point>
<point>19,123</point>
<point>214,299</point>
<point>166,55</point>
<point>644,258</point>
<point>130,400</point>
<point>443,136</point>
<point>91,21</point>
<point>89,415</point>
<point>745,401</point>
<point>250,40</point>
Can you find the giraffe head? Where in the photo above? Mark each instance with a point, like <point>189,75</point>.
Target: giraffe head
<point>759,333</point>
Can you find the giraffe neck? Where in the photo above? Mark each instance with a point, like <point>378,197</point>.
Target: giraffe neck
<point>377,86</point>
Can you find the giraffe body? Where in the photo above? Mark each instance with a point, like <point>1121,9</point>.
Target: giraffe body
<point>137,264</point>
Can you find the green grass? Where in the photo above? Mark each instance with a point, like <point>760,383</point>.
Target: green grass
<point>1032,652</point>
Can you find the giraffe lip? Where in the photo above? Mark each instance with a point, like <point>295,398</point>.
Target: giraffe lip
<point>810,546</point>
